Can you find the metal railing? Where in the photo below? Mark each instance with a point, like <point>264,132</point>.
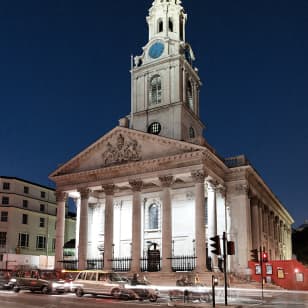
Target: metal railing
<point>121,264</point>
<point>185,263</point>
<point>95,264</point>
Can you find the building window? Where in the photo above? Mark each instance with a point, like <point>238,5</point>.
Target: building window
<point>5,200</point>
<point>25,204</point>
<point>153,216</point>
<point>42,207</point>
<point>1,257</point>
<point>24,219</point>
<point>23,240</point>
<point>53,244</point>
<point>189,95</point>
<point>191,133</point>
<point>170,25</point>
<point>154,128</point>
<point>40,242</point>
<point>2,239</point>
<point>6,186</point>
<point>4,216</point>
<point>43,194</point>
<point>42,222</point>
<point>155,90</point>
<point>160,26</point>
<point>26,189</point>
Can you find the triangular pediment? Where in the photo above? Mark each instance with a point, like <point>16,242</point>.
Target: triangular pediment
<point>123,146</point>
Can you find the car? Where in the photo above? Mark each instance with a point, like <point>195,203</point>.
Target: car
<point>5,277</point>
<point>38,281</point>
<point>142,288</point>
<point>100,282</point>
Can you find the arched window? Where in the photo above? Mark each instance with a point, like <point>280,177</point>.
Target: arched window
<point>191,133</point>
<point>170,25</point>
<point>155,90</point>
<point>160,26</point>
<point>153,216</point>
<point>189,95</point>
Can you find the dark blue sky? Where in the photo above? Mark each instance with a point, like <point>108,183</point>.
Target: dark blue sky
<point>65,82</point>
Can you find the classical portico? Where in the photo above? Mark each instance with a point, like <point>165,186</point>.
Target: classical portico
<point>153,186</point>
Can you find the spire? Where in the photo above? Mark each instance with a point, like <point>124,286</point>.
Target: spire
<point>167,19</point>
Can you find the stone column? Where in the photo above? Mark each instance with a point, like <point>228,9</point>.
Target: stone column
<point>77,203</point>
<point>108,233</point>
<point>198,177</point>
<point>166,182</point>
<point>261,224</point>
<point>212,218</point>
<point>255,223</point>
<point>136,225</point>
<point>60,228</point>
<point>83,230</point>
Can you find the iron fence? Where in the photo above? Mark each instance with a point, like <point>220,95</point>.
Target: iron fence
<point>185,263</point>
<point>121,264</point>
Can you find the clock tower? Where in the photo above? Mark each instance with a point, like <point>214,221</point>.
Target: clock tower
<point>165,84</point>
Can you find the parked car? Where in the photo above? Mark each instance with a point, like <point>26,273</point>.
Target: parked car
<point>98,282</point>
<point>38,280</point>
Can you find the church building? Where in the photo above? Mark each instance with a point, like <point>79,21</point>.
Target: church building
<point>153,186</point>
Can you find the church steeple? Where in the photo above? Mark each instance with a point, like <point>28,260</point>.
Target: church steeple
<point>167,19</point>
<point>165,84</point>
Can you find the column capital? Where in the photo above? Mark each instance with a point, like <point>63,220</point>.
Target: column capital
<point>84,193</point>
<point>61,196</point>
<point>198,176</point>
<point>108,189</point>
<point>136,185</point>
<point>212,185</point>
<point>166,180</point>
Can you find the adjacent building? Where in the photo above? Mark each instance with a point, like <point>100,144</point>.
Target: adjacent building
<point>153,185</point>
<point>28,223</point>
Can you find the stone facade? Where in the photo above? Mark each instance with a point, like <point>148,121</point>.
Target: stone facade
<point>154,179</point>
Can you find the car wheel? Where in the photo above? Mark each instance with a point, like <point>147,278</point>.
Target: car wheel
<point>45,290</point>
<point>79,292</point>
<point>116,293</point>
<point>16,289</point>
<point>152,298</point>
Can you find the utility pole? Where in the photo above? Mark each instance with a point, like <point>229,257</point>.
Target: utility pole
<point>224,241</point>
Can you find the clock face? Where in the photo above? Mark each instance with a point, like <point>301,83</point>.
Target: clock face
<point>156,50</point>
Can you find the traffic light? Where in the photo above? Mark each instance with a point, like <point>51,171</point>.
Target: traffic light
<point>254,255</point>
<point>264,256</point>
<point>230,248</point>
<point>216,245</point>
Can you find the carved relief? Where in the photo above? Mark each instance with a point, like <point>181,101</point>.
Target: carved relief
<point>123,151</point>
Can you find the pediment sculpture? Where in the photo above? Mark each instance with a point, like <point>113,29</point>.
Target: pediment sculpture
<point>124,150</point>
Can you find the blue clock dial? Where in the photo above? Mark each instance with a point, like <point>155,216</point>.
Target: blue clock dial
<point>156,50</point>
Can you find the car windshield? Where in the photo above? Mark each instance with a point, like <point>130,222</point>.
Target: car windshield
<point>115,277</point>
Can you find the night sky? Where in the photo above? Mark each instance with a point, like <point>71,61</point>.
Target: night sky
<point>65,82</point>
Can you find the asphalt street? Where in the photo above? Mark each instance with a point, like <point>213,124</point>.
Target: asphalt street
<point>238,298</point>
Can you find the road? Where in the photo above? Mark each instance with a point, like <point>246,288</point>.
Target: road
<point>238,298</point>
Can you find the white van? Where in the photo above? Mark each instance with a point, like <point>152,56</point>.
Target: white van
<point>98,282</point>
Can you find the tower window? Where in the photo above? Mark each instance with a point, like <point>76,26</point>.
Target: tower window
<point>191,133</point>
<point>155,90</point>
<point>153,216</point>
<point>154,128</point>
<point>189,95</point>
<point>160,26</point>
<point>170,25</point>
